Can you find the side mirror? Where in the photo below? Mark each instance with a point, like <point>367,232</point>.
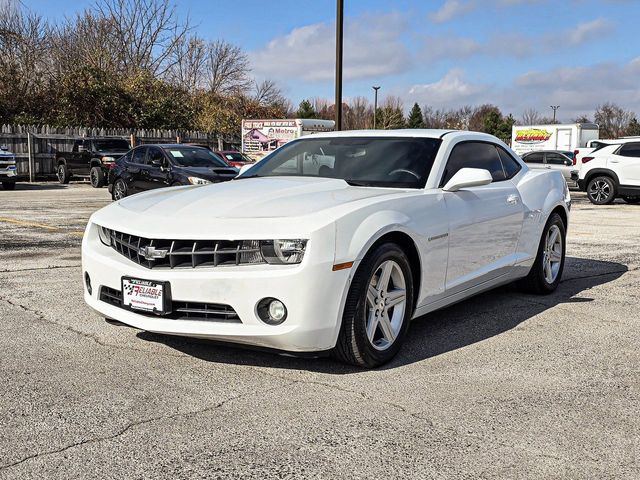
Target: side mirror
<point>81,148</point>
<point>468,177</point>
<point>568,163</point>
<point>157,162</point>
<point>244,168</point>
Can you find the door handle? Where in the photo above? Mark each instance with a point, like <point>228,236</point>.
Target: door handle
<point>513,199</point>
<point>614,161</point>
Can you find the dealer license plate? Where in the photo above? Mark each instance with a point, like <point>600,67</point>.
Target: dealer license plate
<point>145,295</point>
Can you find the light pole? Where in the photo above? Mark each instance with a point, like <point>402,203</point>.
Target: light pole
<point>554,107</point>
<point>339,29</point>
<point>375,105</point>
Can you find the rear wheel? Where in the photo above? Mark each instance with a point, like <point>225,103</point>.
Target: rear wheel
<point>546,272</point>
<point>9,185</point>
<point>630,199</point>
<point>96,175</point>
<point>601,190</point>
<point>120,189</point>
<point>63,174</point>
<point>378,309</point>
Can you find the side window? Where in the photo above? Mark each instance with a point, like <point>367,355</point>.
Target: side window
<point>126,157</point>
<point>138,156</point>
<point>510,164</point>
<point>555,159</point>
<point>154,154</point>
<point>534,158</point>
<point>76,144</point>
<point>630,150</point>
<point>473,155</point>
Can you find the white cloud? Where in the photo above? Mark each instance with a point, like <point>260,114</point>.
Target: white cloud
<point>452,90</point>
<point>589,31</point>
<point>451,9</point>
<point>372,49</point>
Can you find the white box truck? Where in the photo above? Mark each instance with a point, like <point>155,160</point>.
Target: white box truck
<point>566,137</point>
<point>259,137</point>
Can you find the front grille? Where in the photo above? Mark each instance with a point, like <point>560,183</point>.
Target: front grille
<point>213,312</point>
<point>184,253</point>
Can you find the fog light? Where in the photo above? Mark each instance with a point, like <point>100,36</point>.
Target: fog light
<point>87,282</point>
<point>272,311</point>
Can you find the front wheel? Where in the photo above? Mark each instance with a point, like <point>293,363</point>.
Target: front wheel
<point>63,174</point>
<point>96,175</point>
<point>601,190</point>
<point>378,309</point>
<point>546,272</point>
<point>120,189</point>
<point>630,199</point>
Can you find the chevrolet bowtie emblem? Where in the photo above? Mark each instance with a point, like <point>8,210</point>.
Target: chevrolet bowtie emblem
<point>151,253</point>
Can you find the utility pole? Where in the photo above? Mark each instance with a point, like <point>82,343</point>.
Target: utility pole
<point>339,31</point>
<point>375,105</point>
<point>554,107</point>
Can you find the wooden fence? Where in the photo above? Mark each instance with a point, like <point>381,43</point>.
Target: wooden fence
<point>36,146</point>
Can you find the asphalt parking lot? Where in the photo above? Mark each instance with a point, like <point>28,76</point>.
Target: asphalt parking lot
<point>504,385</point>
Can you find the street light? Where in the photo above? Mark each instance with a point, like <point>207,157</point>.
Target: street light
<point>375,105</point>
<point>554,107</point>
<point>339,29</point>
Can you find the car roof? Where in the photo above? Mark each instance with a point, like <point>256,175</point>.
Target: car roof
<point>170,145</point>
<point>406,132</point>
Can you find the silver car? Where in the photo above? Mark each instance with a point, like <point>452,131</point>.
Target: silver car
<point>553,160</point>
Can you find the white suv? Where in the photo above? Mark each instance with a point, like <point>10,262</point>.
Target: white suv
<point>612,171</point>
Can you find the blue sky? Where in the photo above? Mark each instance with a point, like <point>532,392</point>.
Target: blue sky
<point>517,54</point>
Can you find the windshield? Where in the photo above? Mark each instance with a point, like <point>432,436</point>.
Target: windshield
<point>236,157</point>
<point>195,157</point>
<point>111,145</point>
<point>402,162</point>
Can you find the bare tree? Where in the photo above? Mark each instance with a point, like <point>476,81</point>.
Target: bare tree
<point>359,114</point>
<point>227,71</point>
<point>145,33</point>
<point>530,116</point>
<point>612,119</point>
<point>267,92</point>
<point>188,63</point>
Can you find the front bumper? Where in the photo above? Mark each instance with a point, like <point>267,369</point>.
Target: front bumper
<point>8,171</point>
<point>313,294</point>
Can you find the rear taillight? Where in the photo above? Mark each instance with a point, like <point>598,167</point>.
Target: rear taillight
<point>575,156</point>
<point>586,159</point>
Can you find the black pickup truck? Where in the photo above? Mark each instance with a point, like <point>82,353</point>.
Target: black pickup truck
<point>90,157</point>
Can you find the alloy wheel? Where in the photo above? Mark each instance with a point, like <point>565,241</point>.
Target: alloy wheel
<point>600,190</point>
<point>552,256</point>
<point>94,178</point>
<point>385,306</point>
<point>61,173</point>
<point>119,190</point>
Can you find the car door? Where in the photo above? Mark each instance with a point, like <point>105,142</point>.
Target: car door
<point>484,222</point>
<point>137,170</point>
<point>78,162</point>
<point>534,160</point>
<point>626,163</point>
<point>557,161</point>
<point>158,174</point>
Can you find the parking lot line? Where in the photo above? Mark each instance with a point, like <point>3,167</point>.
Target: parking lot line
<point>51,228</point>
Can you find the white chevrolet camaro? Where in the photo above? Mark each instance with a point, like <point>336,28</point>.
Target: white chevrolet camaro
<point>332,243</point>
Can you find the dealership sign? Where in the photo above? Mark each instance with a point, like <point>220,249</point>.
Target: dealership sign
<point>531,136</point>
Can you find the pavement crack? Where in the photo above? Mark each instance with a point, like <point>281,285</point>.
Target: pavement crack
<point>52,267</point>
<point>86,335</point>
<point>138,423</point>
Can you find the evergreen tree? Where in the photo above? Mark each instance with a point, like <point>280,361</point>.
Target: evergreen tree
<point>305,110</point>
<point>633,129</point>
<point>415,119</point>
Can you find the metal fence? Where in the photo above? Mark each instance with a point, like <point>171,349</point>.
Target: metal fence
<point>36,146</point>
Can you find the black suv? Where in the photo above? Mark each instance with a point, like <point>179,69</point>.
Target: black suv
<point>155,166</point>
<point>90,157</point>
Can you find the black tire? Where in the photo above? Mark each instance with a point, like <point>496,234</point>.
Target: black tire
<point>601,190</point>
<point>9,185</point>
<point>63,174</point>
<point>353,345</point>
<point>120,189</point>
<point>630,199</point>
<point>537,282</point>
<point>96,176</point>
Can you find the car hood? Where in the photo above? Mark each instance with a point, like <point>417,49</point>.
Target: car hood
<point>208,173</point>
<point>273,197</point>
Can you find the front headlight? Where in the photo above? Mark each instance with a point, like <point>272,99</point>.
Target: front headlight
<point>108,159</point>
<point>198,181</point>
<point>283,251</point>
<point>105,235</point>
